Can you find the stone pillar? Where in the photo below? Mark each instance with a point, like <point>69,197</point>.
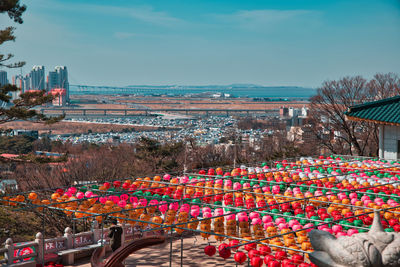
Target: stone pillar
<point>40,252</point>
<point>9,255</point>
<point>96,232</point>
<point>68,258</point>
<point>70,239</point>
<point>123,236</point>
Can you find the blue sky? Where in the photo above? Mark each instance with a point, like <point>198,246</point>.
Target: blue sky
<point>266,42</point>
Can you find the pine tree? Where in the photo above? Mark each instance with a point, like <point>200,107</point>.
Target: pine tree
<point>22,108</point>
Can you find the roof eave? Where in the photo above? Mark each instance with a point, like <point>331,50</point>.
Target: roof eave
<point>373,121</point>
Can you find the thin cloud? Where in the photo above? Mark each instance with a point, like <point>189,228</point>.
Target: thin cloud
<point>143,13</point>
<point>149,15</point>
<point>254,19</point>
<point>124,35</point>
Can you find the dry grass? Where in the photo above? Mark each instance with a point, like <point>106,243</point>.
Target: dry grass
<point>65,127</point>
<point>192,103</point>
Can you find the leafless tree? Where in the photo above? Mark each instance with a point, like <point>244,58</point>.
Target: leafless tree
<point>334,98</point>
<point>384,85</point>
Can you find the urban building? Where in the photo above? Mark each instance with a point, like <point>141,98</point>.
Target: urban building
<point>53,80</point>
<point>58,79</point>
<point>62,73</point>
<point>304,112</point>
<point>293,112</point>
<point>4,81</point>
<point>31,133</point>
<point>3,78</point>
<point>283,111</point>
<point>22,82</point>
<point>59,97</point>
<point>37,78</point>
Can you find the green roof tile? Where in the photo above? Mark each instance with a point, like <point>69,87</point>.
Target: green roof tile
<point>382,111</point>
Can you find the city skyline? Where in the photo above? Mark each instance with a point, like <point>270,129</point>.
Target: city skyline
<point>268,43</point>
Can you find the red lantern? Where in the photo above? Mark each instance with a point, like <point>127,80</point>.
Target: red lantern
<point>210,250</point>
<point>297,258</point>
<point>274,264</point>
<point>233,243</point>
<point>240,257</point>
<point>264,250</point>
<point>60,191</point>
<point>250,246</point>
<point>287,262</point>
<point>280,255</point>
<point>285,207</point>
<point>310,208</point>
<point>224,251</point>
<point>125,186</point>
<point>268,259</point>
<point>396,228</point>
<point>298,211</point>
<point>253,253</point>
<point>392,222</point>
<point>256,262</point>
<point>296,205</point>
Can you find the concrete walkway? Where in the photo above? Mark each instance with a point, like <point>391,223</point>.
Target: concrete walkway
<point>193,255</point>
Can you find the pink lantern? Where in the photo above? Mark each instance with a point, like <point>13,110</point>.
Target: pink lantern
<point>133,200</point>
<point>266,218</point>
<point>195,213</point>
<point>102,200</point>
<point>122,203</point>
<point>163,207</point>
<point>72,190</point>
<point>143,202</point>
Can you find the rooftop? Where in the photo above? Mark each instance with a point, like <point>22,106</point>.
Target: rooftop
<point>385,111</point>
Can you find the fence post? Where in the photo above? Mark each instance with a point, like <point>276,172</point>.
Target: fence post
<point>96,232</point>
<point>124,229</point>
<point>68,235</point>
<point>9,255</point>
<point>69,257</point>
<point>39,242</point>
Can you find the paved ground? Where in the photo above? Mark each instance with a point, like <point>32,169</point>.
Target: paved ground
<point>193,255</point>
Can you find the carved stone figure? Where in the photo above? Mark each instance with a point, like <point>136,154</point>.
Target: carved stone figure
<point>376,248</point>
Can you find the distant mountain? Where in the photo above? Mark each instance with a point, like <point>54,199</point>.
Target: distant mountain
<point>246,85</point>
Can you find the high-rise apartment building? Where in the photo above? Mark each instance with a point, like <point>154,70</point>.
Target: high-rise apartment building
<point>3,78</point>
<point>37,78</point>
<point>53,80</point>
<point>63,79</point>
<point>22,82</point>
<point>58,79</point>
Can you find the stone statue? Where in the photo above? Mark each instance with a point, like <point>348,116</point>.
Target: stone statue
<point>376,248</point>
